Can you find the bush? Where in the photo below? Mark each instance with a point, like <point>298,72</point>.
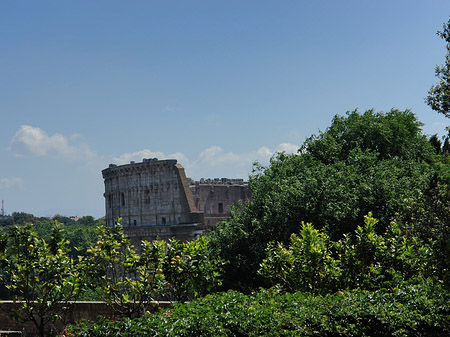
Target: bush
<point>363,259</point>
<point>405,311</point>
<point>189,271</point>
<point>306,264</point>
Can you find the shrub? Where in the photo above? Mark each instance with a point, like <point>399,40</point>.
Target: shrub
<point>305,265</point>
<point>189,270</point>
<point>405,311</point>
<point>364,259</point>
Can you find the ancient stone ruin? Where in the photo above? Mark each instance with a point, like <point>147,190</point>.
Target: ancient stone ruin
<point>156,200</point>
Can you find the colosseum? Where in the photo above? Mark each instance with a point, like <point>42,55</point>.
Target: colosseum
<point>155,199</point>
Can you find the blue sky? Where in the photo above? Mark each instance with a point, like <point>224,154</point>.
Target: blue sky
<point>214,84</point>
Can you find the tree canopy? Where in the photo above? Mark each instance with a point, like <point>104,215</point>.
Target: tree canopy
<point>439,94</point>
<point>364,162</point>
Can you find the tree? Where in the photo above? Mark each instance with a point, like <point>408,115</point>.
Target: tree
<point>130,282</point>
<point>22,218</point>
<point>80,236</point>
<point>439,94</point>
<point>306,264</point>
<point>63,219</point>
<point>441,146</point>
<point>363,259</point>
<point>87,220</point>
<point>39,274</point>
<point>189,270</point>
<point>126,281</point>
<point>364,162</point>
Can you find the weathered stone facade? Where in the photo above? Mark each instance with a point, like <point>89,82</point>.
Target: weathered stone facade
<point>156,200</point>
<point>214,197</point>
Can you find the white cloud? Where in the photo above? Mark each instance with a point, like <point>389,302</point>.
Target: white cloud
<point>287,147</point>
<point>213,161</point>
<point>6,183</point>
<point>215,156</point>
<point>264,152</point>
<point>139,155</point>
<point>33,141</point>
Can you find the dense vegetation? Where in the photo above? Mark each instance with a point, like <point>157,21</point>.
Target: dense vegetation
<point>79,232</point>
<point>44,275</point>
<point>371,162</point>
<point>407,311</point>
<point>39,273</point>
<point>351,236</point>
<point>365,260</point>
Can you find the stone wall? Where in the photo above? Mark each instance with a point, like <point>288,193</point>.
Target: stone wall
<point>156,200</point>
<point>80,310</point>
<point>182,232</point>
<point>216,197</point>
<point>154,192</point>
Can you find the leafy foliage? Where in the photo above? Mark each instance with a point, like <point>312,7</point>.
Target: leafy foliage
<point>370,162</point>
<point>372,261</point>
<point>42,273</point>
<point>357,272</point>
<point>405,311</point>
<point>364,260</point>
<point>126,280</point>
<point>80,235</point>
<point>439,95</point>
<point>130,281</point>
<point>442,146</point>
<point>39,273</point>
<point>189,270</point>
<point>307,264</point>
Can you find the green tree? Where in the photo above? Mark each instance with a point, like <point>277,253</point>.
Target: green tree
<point>22,218</point>
<point>130,282</point>
<point>124,279</point>
<point>189,270</point>
<point>442,145</point>
<point>80,238</point>
<point>6,221</point>
<point>63,219</point>
<point>439,95</point>
<point>87,220</point>
<point>39,274</point>
<point>306,264</point>
<point>363,259</point>
<point>369,260</point>
<point>364,162</point>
